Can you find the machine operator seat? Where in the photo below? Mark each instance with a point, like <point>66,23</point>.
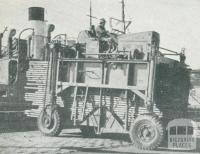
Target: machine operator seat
<point>87,35</point>
<point>94,45</point>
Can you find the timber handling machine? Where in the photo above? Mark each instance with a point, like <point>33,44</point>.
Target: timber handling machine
<point>123,84</point>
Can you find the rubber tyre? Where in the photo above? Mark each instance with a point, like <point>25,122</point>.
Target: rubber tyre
<point>146,132</point>
<point>88,131</point>
<point>56,125</point>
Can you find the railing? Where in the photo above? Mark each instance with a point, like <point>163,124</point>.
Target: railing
<point>90,60</point>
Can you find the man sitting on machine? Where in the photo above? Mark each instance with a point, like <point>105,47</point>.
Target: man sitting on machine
<point>106,42</point>
<point>101,31</point>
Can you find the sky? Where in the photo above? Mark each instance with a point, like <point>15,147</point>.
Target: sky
<point>177,21</point>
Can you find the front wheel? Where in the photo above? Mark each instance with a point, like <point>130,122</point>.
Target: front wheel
<point>146,132</point>
<point>50,125</point>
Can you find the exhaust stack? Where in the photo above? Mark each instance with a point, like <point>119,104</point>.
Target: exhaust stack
<point>39,39</point>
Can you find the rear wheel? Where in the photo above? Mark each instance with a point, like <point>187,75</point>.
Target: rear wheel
<point>50,125</point>
<point>146,132</point>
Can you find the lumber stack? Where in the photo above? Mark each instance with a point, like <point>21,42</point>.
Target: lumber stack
<point>37,86</point>
<point>112,103</point>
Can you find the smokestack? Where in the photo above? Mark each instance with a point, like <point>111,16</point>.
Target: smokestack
<point>36,13</point>
<point>39,39</point>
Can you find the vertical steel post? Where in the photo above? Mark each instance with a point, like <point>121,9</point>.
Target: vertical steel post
<point>126,94</point>
<point>54,73</point>
<point>100,111</point>
<point>123,16</point>
<point>84,103</point>
<point>76,88</point>
<point>151,82</point>
<point>100,103</point>
<point>74,113</point>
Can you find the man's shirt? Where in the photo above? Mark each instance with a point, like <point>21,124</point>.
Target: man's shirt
<point>101,32</point>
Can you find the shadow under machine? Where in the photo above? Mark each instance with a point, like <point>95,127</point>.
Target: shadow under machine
<point>128,86</point>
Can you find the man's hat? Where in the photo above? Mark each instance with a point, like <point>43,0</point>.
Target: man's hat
<point>102,20</point>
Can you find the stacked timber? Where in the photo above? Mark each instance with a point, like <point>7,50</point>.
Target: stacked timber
<point>37,86</point>
<point>135,111</point>
<point>114,104</point>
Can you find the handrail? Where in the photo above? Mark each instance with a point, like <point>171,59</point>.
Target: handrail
<point>18,51</point>
<point>103,60</point>
<point>104,54</point>
<point>169,50</point>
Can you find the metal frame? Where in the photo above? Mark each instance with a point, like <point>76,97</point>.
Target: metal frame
<point>147,96</point>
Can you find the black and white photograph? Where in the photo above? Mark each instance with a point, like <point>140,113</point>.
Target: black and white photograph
<point>99,76</point>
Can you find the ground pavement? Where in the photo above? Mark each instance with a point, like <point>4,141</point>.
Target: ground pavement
<point>69,141</point>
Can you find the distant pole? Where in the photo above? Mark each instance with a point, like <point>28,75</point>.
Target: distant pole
<point>1,36</point>
<point>123,16</point>
<point>90,13</point>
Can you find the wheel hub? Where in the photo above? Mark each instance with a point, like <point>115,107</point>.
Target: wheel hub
<point>47,121</point>
<point>147,133</point>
